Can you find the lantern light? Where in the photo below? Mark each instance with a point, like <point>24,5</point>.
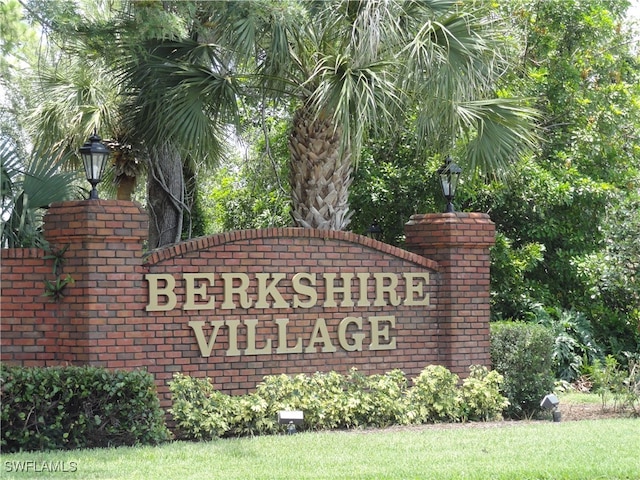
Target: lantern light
<point>94,157</point>
<point>375,231</point>
<point>449,175</point>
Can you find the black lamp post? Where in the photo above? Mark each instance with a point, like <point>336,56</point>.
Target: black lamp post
<point>375,231</point>
<point>449,175</point>
<point>94,157</point>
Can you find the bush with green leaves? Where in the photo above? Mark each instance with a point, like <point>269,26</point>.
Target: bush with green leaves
<point>332,400</point>
<point>198,408</point>
<point>434,396</point>
<point>321,396</point>
<point>480,397</point>
<point>252,415</point>
<point>574,347</point>
<point>522,354</point>
<point>614,382</point>
<point>511,290</point>
<point>46,408</point>
<point>378,400</point>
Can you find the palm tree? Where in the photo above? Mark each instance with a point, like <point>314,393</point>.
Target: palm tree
<point>355,66</point>
<point>28,187</point>
<point>179,101</point>
<point>159,97</point>
<point>76,97</point>
<point>74,93</point>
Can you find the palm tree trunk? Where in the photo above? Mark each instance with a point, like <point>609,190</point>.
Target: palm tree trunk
<point>320,173</point>
<point>166,196</point>
<point>126,186</point>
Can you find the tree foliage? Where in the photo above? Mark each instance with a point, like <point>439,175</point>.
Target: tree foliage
<point>402,84</point>
<point>250,189</point>
<point>28,186</point>
<point>354,68</point>
<point>566,212</point>
<point>393,182</point>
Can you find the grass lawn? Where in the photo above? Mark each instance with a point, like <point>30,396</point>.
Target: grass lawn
<point>577,398</point>
<point>591,449</point>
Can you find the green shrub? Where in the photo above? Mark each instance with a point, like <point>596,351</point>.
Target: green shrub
<point>378,400</point>
<point>78,407</point>
<point>332,400</point>
<point>480,397</point>
<point>321,397</point>
<point>434,396</point>
<point>613,382</point>
<point>252,415</point>
<point>574,347</point>
<point>199,410</point>
<point>522,354</point>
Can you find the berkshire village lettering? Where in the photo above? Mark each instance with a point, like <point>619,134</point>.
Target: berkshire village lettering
<point>302,291</point>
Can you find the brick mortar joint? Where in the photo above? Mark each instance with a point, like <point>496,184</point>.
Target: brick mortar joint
<point>453,218</point>
<point>83,239</point>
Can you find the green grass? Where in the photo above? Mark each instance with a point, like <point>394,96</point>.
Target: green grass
<point>579,398</point>
<point>598,449</point>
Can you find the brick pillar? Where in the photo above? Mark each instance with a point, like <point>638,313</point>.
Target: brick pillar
<point>104,253</point>
<point>460,243</point>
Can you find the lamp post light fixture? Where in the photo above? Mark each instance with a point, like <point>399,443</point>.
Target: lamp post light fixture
<point>551,402</point>
<point>94,157</point>
<point>291,418</point>
<point>375,231</point>
<point>449,175</point>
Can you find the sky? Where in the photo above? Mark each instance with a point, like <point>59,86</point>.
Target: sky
<point>634,10</point>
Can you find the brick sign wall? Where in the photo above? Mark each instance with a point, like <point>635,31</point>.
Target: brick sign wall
<point>241,305</point>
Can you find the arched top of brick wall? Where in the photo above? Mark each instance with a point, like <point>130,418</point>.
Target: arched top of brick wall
<point>205,243</point>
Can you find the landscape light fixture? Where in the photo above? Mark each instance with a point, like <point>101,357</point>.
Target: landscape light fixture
<point>94,157</point>
<point>375,231</point>
<point>449,175</point>
<point>551,402</point>
<point>290,418</point>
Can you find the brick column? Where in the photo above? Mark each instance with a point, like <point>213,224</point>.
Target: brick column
<point>460,243</point>
<point>104,253</point>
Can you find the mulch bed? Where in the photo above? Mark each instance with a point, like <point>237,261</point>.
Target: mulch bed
<point>570,413</point>
<point>592,411</point>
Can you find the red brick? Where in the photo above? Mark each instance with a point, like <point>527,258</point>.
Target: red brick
<point>102,319</point>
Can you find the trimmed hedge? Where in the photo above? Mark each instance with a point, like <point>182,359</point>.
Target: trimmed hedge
<point>522,353</point>
<point>45,408</point>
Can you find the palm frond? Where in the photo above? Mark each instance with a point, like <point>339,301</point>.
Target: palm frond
<point>497,130</point>
<point>356,95</point>
<point>75,98</point>
<point>46,184</point>
<point>28,188</point>
<point>180,92</point>
<point>10,169</point>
